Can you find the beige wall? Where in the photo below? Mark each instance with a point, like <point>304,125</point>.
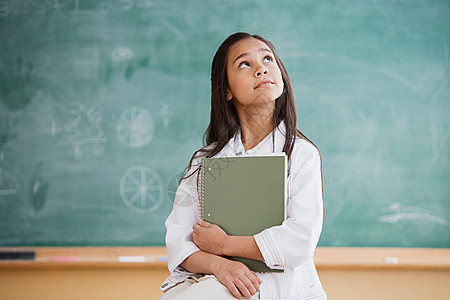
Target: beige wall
<point>143,283</point>
<point>386,284</point>
<point>68,284</point>
<point>97,273</point>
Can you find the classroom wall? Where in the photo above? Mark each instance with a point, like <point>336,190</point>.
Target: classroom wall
<point>132,283</point>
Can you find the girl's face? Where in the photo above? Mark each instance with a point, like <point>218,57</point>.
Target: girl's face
<point>253,73</point>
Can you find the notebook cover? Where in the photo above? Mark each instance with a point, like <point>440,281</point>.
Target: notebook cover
<point>244,195</point>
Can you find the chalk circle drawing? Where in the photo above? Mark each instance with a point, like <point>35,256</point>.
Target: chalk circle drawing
<point>8,183</point>
<point>411,214</point>
<point>141,189</point>
<point>135,127</point>
<point>122,54</point>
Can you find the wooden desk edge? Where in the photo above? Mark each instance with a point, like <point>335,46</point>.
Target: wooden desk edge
<point>339,258</point>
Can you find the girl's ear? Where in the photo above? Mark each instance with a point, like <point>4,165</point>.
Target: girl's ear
<point>229,96</point>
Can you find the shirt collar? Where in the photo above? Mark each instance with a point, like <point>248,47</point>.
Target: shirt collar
<point>264,147</point>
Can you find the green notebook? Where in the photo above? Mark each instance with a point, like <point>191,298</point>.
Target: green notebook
<point>244,195</point>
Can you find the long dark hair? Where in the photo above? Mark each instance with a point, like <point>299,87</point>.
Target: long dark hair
<point>224,121</point>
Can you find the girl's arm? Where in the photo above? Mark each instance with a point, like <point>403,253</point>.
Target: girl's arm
<point>211,238</point>
<point>293,243</point>
<point>234,275</point>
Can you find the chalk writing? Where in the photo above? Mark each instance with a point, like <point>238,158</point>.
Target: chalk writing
<point>411,214</point>
<point>122,54</point>
<point>165,114</point>
<point>68,7</point>
<point>76,133</point>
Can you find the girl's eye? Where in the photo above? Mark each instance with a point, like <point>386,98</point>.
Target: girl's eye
<point>244,64</point>
<point>268,59</point>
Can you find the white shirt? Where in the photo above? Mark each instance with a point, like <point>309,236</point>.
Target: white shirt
<point>289,246</point>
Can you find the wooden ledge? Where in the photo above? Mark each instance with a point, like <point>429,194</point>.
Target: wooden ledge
<point>382,258</point>
<point>156,258</point>
<point>90,257</point>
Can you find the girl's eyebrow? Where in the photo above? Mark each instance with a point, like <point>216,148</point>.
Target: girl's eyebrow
<point>245,54</point>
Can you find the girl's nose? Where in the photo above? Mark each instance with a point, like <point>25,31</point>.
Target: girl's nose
<point>261,71</point>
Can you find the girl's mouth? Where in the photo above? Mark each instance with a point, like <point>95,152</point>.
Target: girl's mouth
<point>264,84</point>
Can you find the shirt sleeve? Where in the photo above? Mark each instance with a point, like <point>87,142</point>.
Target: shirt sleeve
<point>179,242</point>
<point>292,243</point>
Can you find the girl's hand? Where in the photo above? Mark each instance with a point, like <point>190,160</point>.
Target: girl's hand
<point>237,278</point>
<point>209,237</point>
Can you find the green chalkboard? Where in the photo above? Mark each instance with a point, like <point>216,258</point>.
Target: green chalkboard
<point>102,104</point>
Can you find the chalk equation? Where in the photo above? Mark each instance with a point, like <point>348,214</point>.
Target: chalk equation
<point>77,133</point>
<point>402,214</point>
<point>164,114</point>
<point>141,189</point>
<point>135,127</point>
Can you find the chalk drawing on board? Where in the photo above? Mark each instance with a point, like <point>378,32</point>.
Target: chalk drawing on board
<point>122,54</point>
<point>38,188</point>
<point>135,127</point>
<point>141,189</point>
<point>411,214</point>
<point>77,133</point>
<point>164,114</point>
<point>8,183</point>
<point>38,193</point>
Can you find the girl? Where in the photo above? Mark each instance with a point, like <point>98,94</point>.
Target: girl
<point>252,112</point>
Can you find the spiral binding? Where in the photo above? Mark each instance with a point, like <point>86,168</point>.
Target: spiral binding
<point>201,199</point>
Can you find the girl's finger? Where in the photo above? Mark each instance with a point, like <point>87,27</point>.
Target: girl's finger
<point>243,288</point>
<point>255,281</point>
<point>196,227</point>
<point>204,223</point>
<point>250,284</point>
<point>233,289</point>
